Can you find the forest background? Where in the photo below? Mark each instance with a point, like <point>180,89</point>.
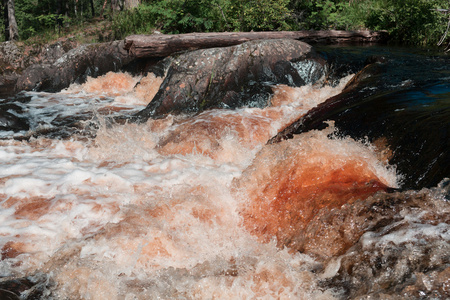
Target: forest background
<point>411,22</point>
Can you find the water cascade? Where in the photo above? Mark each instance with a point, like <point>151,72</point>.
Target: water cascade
<point>304,197</point>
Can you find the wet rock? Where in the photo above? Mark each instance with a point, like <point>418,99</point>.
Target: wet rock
<point>74,66</point>
<point>232,77</point>
<point>396,245</point>
<point>34,287</point>
<point>11,118</point>
<point>10,122</point>
<point>378,104</point>
<point>333,231</point>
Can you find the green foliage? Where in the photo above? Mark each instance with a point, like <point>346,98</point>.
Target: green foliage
<point>259,15</point>
<point>408,21</point>
<point>40,17</point>
<point>326,14</point>
<point>181,16</point>
<point>170,16</point>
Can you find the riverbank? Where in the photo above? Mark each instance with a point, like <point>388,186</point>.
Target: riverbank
<point>35,67</point>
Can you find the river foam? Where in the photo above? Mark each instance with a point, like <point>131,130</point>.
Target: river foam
<point>167,209</point>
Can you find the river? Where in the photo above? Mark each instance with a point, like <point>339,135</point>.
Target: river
<point>200,206</point>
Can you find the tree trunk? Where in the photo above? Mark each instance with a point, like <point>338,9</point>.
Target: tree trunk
<point>11,29</point>
<point>103,9</point>
<point>161,45</point>
<point>92,9</point>
<point>59,14</point>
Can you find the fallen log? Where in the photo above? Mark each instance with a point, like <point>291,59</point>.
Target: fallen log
<point>162,45</point>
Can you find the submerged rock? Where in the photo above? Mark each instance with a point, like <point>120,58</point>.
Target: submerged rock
<point>232,77</point>
<point>400,246</point>
<point>33,287</point>
<point>12,117</point>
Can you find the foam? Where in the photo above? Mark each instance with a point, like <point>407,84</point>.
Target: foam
<point>289,182</point>
<point>151,210</point>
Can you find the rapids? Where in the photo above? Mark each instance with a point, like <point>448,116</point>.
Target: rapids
<point>200,206</point>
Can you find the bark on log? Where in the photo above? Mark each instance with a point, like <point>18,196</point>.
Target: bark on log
<point>162,45</point>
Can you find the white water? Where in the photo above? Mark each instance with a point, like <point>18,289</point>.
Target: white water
<point>160,210</point>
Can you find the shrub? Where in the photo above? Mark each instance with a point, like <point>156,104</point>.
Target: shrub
<point>259,15</point>
<point>408,21</point>
<point>181,16</point>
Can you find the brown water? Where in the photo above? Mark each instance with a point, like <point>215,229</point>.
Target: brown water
<point>181,207</point>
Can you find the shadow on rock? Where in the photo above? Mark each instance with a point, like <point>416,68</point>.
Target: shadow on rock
<point>232,77</point>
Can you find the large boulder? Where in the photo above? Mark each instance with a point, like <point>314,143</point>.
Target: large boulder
<point>232,77</point>
<point>15,57</point>
<point>74,66</point>
<point>396,245</point>
<point>10,67</point>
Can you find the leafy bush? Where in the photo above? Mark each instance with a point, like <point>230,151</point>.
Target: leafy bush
<point>408,21</point>
<point>170,16</point>
<point>259,15</point>
<point>181,16</point>
<point>326,14</point>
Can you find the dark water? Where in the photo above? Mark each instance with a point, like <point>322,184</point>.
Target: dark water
<point>402,98</point>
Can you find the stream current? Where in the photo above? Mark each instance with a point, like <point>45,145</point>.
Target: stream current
<point>193,206</point>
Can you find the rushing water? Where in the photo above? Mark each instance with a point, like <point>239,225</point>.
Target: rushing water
<point>194,207</point>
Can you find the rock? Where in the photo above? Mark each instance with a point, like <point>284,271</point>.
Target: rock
<point>10,122</point>
<point>11,118</point>
<point>10,58</point>
<point>232,77</point>
<point>396,245</point>
<point>16,57</point>
<point>408,117</point>
<point>74,66</point>
<point>32,287</point>
<point>7,83</point>
<point>51,53</point>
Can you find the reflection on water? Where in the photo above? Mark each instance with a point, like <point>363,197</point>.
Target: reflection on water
<point>400,98</point>
<point>199,207</point>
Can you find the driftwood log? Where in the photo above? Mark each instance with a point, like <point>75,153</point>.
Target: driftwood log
<point>162,45</point>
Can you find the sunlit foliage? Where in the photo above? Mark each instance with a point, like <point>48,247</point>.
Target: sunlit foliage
<point>408,21</point>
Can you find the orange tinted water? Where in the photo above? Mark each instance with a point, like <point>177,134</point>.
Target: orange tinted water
<point>186,206</point>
